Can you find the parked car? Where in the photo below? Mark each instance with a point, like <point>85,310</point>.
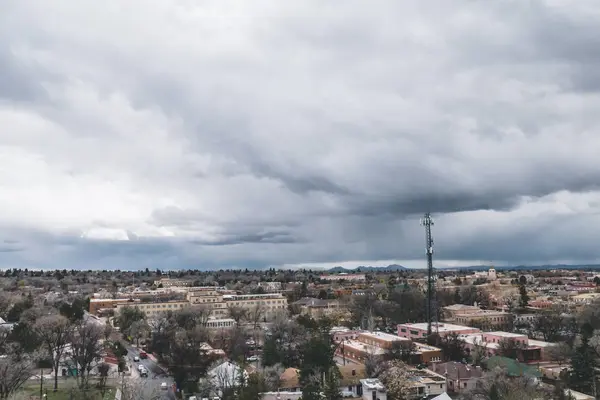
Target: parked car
<point>143,355</point>
<point>252,358</point>
<point>164,386</point>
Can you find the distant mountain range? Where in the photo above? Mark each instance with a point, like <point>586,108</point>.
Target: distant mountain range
<point>396,267</point>
<point>389,268</point>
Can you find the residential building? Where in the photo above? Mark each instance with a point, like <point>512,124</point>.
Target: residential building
<point>289,380</point>
<point>373,389</point>
<point>227,375</point>
<point>418,331</point>
<point>281,395</point>
<point>350,379</point>
<point>459,377</point>
<point>427,383</point>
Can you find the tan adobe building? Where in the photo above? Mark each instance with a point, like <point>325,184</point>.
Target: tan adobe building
<point>155,308</point>
<point>99,304</point>
<point>210,297</point>
<point>271,302</point>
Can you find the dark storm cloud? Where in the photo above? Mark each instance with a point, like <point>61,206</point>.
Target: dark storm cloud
<point>15,80</point>
<point>238,134</point>
<point>263,237</point>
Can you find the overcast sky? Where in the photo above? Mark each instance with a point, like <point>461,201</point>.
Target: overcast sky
<point>208,134</point>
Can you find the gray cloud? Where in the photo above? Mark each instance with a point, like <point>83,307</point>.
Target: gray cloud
<point>229,134</point>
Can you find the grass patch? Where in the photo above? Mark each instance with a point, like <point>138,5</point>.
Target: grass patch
<point>67,390</point>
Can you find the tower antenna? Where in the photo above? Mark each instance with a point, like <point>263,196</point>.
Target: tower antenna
<point>427,222</point>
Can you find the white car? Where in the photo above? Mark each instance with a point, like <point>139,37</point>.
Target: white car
<point>252,358</point>
<point>136,359</point>
<point>140,367</point>
<point>164,386</point>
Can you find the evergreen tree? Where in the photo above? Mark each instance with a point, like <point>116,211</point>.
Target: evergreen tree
<point>524,300</point>
<point>583,364</point>
<point>494,392</point>
<point>270,355</point>
<point>331,385</point>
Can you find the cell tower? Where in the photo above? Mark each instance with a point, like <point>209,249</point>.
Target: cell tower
<point>427,222</point>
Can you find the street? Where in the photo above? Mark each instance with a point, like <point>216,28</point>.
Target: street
<point>156,375</point>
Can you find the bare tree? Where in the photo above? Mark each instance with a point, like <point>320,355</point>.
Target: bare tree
<point>396,378</point>
<point>202,314</point>
<point>560,353</point>
<point>103,370</point>
<point>226,377</point>
<point>510,348</point>
<point>86,350</point>
<point>373,363</point>
<point>237,313</point>
<point>256,314</point>
<point>54,332</point>
<point>14,372</point>
<point>497,385</point>
<point>139,330</point>
<point>478,353</point>
<point>272,376</point>
<point>137,390</point>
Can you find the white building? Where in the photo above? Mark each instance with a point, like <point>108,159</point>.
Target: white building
<point>227,375</point>
<point>281,395</point>
<point>373,389</point>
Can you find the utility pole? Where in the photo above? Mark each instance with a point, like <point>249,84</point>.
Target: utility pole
<point>41,383</point>
<point>427,222</point>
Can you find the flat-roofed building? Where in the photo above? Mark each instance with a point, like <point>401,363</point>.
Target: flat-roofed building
<point>167,282</point>
<point>340,333</point>
<point>220,323</point>
<point>418,331</point>
<point>272,303</point>
<point>99,304</point>
<point>343,276</point>
<point>474,316</point>
<point>380,339</point>
<point>378,344</point>
<point>155,308</point>
<point>426,354</point>
<point>210,297</point>
<point>491,342</point>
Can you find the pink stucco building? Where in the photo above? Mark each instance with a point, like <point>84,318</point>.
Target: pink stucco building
<point>418,331</point>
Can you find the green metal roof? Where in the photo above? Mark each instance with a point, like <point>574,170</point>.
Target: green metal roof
<point>513,367</point>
